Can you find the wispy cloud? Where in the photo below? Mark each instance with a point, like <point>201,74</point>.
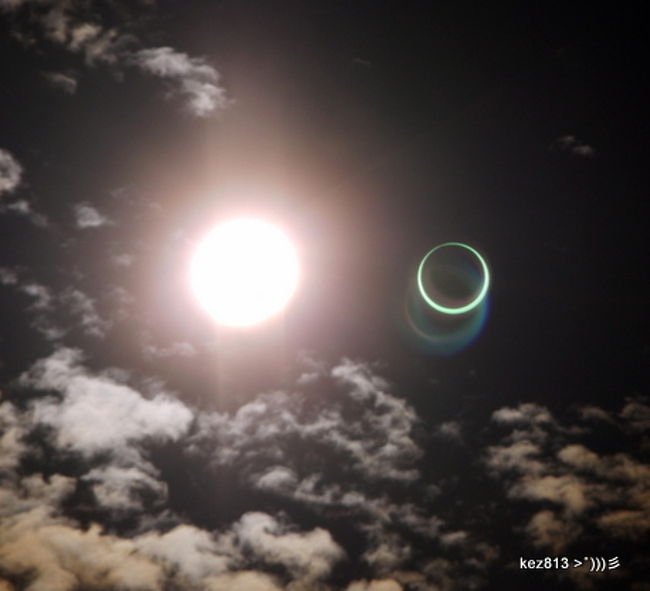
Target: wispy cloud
<point>84,308</point>
<point>569,143</point>
<point>24,208</point>
<point>179,349</point>
<point>41,295</point>
<point>88,216</point>
<point>11,172</point>
<point>75,26</point>
<point>8,276</point>
<point>197,82</point>
<point>66,83</point>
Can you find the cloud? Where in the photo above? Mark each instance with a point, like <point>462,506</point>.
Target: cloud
<point>568,491</point>
<point>85,309</point>
<point>525,414</point>
<point>192,78</point>
<point>123,489</point>
<point>61,558</point>
<point>12,433</point>
<point>179,349</point>
<point>97,413</point>
<point>41,295</point>
<point>78,28</point>
<point>241,581</point>
<point>383,585</point>
<point>307,555</point>
<point>387,551</point>
<point>549,530</point>
<point>8,5</point>
<point>569,143</point>
<point>545,462</point>
<point>64,82</point>
<point>55,553</point>
<point>123,259</point>
<point>520,456</point>
<point>378,446</point>
<point>8,276</point>
<point>47,328</point>
<point>87,216</point>
<point>11,172</point>
<point>194,553</point>
<point>636,413</point>
<point>24,208</point>
<point>451,430</point>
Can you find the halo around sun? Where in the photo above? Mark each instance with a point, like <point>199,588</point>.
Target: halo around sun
<point>244,271</point>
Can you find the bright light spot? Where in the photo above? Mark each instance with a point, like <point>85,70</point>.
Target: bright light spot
<point>244,272</point>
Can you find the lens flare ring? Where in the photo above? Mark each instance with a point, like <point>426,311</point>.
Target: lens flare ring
<point>460,309</point>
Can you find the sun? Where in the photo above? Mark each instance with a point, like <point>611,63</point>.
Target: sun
<point>244,271</point>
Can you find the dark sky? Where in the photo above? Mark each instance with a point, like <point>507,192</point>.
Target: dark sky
<point>143,447</point>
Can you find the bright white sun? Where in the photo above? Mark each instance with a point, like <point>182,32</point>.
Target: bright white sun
<point>244,271</point>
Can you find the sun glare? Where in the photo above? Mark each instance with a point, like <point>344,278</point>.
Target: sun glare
<point>244,271</point>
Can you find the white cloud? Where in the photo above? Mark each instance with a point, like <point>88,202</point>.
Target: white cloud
<point>11,172</point>
<point>120,489</point>
<point>192,551</point>
<point>96,413</point>
<point>193,78</point>
<point>307,555</point>
<point>87,216</point>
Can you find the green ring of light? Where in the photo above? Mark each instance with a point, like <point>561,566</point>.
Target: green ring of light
<point>462,309</point>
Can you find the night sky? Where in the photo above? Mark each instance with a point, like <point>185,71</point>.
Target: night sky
<point>145,448</point>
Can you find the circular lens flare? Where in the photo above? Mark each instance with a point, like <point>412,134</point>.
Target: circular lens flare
<point>454,278</point>
<point>244,271</point>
